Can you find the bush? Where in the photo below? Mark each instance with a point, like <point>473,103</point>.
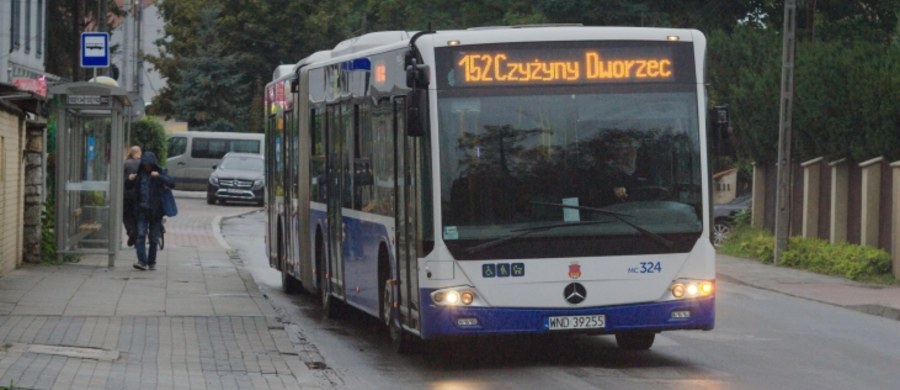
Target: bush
<point>48,236</point>
<point>150,135</point>
<point>760,245</point>
<point>855,262</point>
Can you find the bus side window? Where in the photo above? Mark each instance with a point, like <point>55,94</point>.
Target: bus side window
<point>317,155</point>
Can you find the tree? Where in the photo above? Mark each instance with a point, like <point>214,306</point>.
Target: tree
<point>211,86</point>
<point>149,134</point>
<point>68,20</point>
<point>260,35</point>
<point>744,72</point>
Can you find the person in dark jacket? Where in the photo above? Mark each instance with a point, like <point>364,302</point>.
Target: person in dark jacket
<point>149,183</point>
<point>132,164</point>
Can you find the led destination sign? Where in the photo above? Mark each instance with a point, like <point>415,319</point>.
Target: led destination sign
<point>593,62</point>
<point>497,67</point>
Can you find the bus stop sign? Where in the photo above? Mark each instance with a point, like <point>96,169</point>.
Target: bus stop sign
<point>94,50</point>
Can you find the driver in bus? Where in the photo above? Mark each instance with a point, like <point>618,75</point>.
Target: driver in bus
<point>623,178</point>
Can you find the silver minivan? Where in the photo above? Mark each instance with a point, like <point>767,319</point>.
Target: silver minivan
<point>193,154</point>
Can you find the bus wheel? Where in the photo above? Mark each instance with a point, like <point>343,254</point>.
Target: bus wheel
<point>330,306</point>
<point>635,341</point>
<point>401,340</point>
<point>290,284</point>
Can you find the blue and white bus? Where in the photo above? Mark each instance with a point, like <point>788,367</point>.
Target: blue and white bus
<point>513,180</point>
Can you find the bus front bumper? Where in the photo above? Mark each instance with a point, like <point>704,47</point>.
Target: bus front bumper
<point>445,321</point>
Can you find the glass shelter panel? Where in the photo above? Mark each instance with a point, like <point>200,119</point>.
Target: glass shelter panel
<point>87,178</point>
<point>90,153</point>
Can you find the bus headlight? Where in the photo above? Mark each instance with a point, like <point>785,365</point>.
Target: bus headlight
<point>682,289</point>
<point>466,298</point>
<point>462,296</point>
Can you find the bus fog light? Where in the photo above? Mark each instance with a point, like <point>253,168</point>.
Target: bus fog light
<point>466,321</point>
<point>681,314</point>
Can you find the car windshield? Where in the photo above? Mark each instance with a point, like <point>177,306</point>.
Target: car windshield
<point>242,163</point>
<point>508,161</point>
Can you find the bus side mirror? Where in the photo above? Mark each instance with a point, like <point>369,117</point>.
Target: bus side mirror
<point>417,112</point>
<point>720,131</point>
<point>417,76</point>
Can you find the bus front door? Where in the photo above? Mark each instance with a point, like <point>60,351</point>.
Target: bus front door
<point>407,181</point>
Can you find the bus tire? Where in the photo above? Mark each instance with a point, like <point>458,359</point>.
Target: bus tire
<point>635,341</point>
<point>401,341</point>
<point>330,307</point>
<point>290,284</point>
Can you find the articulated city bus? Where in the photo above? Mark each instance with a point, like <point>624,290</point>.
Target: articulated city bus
<point>513,180</point>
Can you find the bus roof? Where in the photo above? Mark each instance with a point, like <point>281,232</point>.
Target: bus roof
<point>386,40</point>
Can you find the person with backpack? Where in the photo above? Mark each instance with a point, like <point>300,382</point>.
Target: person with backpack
<point>150,182</point>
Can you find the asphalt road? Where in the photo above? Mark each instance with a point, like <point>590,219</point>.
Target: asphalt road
<point>762,340</point>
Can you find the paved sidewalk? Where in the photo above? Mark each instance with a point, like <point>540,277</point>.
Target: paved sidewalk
<point>198,322</point>
<point>868,298</point>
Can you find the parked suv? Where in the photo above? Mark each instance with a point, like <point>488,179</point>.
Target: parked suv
<point>723,217</point>
<point>192,154</point>
<point>238,177</point>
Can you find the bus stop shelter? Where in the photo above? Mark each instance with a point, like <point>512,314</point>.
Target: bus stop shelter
<point>91,140</point>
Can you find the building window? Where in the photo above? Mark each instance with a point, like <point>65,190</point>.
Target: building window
<point>39,42</point>
<point>27,26</point>
<point>15,21</point>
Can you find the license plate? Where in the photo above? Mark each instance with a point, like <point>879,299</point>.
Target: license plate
<point>595,321</point>
<point>232,191</point>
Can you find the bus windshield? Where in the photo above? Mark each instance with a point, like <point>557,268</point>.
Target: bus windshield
<point>515,159</point>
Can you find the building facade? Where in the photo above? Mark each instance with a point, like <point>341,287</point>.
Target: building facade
<point>11,186</point>
<point>23,44</point>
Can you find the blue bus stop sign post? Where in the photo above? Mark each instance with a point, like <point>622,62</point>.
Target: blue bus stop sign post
<point>94,50</point>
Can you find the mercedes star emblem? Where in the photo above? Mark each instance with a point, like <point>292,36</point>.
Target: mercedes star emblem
<point>574,293</point>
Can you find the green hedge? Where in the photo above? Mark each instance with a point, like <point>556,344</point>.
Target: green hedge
<point>851,261</point>
<point>150,135</point>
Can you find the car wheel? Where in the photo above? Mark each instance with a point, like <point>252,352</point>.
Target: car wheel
<point>721,232</point>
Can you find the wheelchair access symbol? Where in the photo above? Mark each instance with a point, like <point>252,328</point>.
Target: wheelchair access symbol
<point>502,270</point>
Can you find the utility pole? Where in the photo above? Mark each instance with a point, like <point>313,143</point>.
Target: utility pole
<point>139,50</point>
<point>77,22</point>
<point>127,72</point>
<point>783,195</point>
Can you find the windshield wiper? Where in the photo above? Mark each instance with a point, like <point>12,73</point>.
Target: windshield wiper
<point>527,231</point>
<point>619,216</point>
